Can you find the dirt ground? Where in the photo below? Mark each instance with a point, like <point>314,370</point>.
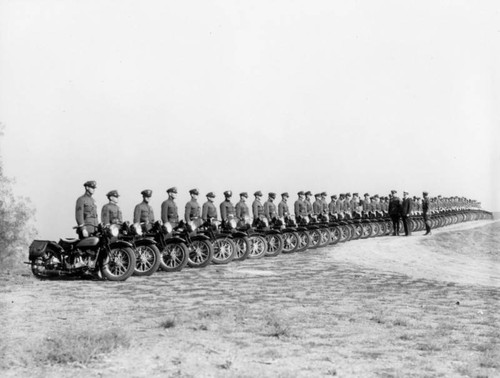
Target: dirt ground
<point>385,307</point>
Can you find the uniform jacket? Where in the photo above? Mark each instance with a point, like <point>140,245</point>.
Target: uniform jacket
<point>270,210</point>
<point>317,207</point>
<point>406,206</point>
<point>367,205</point>
<point>426,205</point>
<point>309,207</point>
<point>394,206</point>
<point>332,207</point>
<point>208,211</point>
<point>226,209</point>
<point>169,212</point>
<point>192,210</point>
<point>324,206</point>
<point>86,211</point>
<point>283,210</point>
<point>300,208</point>
<point>111,214</point>
<point>242,210</point>
<point>257,209</point>
<point>143,212</point>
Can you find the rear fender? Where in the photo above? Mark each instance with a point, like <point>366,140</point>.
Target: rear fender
<point>239,234</point>
<point>273,232</point>
<point>288,230</point>
<point>120,244</point>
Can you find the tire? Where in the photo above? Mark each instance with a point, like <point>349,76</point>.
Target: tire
<point>326,237</point>
<point>242,245</point>
<point>388,228</point>
<point>375,229</point>
<point>274,244</point>
<point>366,230</point>
<point>315,237</point>
<point>335,235</point>
<point>38,267</point>
<point>345,233</point>
<point>119,264</point>
<point>304,241</point>
<point>174,257</point>
<point>290,242</point>
<point>357,231</point>
<point>258,247</point>
<point>147,260</point>
<point>201,253</point>
<point>224,250</point>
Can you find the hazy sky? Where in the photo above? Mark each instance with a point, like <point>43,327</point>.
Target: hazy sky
<point>359,96</point>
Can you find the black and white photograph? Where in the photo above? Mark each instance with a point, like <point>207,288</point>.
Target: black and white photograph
<point>228,188</point>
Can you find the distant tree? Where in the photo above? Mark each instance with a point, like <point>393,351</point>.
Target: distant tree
<point>16,222</point>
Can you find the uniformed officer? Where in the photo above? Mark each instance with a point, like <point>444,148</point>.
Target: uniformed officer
<point>347,205</point>
<point>405,212</point>
<point>257,208</point>
<point>283,210</point>
<point>227,209</point>
<point>143,212</point>
<point>332,206</point>
<point>425,212</point>
<point>366,203</point>
<point>340,205</point>
<point>111,213</point>
<point>193,210</point>
<point>355,203</point>
<point>209,211</point>
<point>169,211</point>
<point>241,207</point>
<point>308,203</point>
<point>317,206</point>
<point>395,211</point>
<point>270,211</point>
<point>86,211</point>
<point>324,209</point>
<point>300,206</point>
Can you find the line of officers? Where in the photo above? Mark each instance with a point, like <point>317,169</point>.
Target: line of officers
<point>341,207</point>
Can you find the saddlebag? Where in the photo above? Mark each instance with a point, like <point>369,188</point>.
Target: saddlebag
<point>37,248</point>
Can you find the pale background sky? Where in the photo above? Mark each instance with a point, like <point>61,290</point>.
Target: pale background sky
<point>359,96</point>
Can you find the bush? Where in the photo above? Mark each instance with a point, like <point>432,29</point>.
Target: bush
<point>16,228</point>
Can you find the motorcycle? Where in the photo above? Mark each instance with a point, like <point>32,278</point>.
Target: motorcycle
<point>147,254</point>
<point>240,238</point>
<point>173,249</point>
<point>101,254</point>
<point>223,245</point>
<point>257,241</point>
<point>270,232</point>
<point>200,249</point>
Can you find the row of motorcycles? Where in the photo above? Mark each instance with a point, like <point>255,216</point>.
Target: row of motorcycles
<point>116,252</point>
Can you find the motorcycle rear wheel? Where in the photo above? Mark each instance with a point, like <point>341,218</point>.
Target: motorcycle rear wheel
<point>304,241</point>
<point>290,242</point>
<point>201,253</point>
<point>315,237</point>
<point>119,264</point>
<point>258,247</point>
<point>326,237</point>
<point>174,257</point>
<point>335,235</point>
<point>242,248</point>
<point>147,259</point>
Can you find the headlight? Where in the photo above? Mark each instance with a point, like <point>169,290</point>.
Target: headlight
<point>266,222</point>
<point>232,223</point>
<point>248,220</point>
<point>85,233</point>
<point>306,219</point>
<point>168,227</point>
<point>137,229</point>
<point>191,226</point>
<point>114,230</point>
<point>215,223</point>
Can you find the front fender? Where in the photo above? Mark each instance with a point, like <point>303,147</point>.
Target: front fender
<point>145,241</point>
<point>120,244</point>
<point>200,237</point>
<point>239,234</point>
<point>175,240</point>
<point>272,232</point>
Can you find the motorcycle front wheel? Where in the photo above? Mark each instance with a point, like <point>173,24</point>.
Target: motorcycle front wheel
<point>274,244</point>
<point>174,257</point>
<point>201,253</point>
<point>147,259</point>
<point>258,247</point>
<point>290,242</point>
<point>224,250</point>
<point>304,241</point>
<point>119,264</point>
<point>242,248</point>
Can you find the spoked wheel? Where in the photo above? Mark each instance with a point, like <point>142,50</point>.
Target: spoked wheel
<point>388,227</point>
<point>274,244</point>
<point>147,260</point>
<point>315,237</point>
<point>290,242</point>
<point>258,247</point>
<point>304,241</point>
<point>366,230</point>
<point>335,235</point>
<point>325,236</point>
<point>201,253</point>
<point>119,264</point>
<point>357,231</point>
<point>174,257</point>
<point>375,229</point>
<point>224,250</point>
<point>38,267</point>
<point>242,245</point>
<point>345,233</point>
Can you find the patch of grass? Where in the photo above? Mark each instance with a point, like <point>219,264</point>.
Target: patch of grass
<point>168,323</point>
<point>226,365</point>
<point>80,347</point>
<point>489,359</point>
<point>277,327</point>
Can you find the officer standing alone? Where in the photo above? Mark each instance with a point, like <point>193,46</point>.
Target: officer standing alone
<point>86,211</point>
<point>405,212</point>
<point>425,212</point>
